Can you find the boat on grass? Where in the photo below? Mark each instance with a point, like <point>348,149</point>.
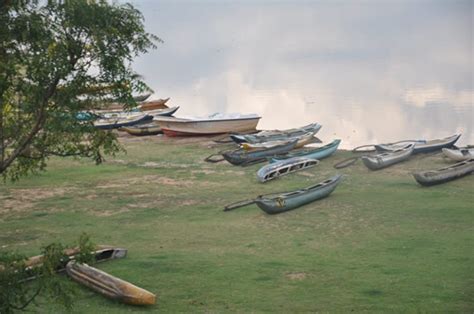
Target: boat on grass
<point>459,154</point>
<point>284,167</point>
<point>383,160</point>
<point>142,129</point>
<point>136,112</point>
<point>301,141</point>
<point>108,285</point>
<point>314,153</point>
<point>423,146</point>
<point>242,157</point>
<point>276,203</point>
<point>213,124</point>
<point>115,123</point>
<point>276,135</point>
<point>445,174</point>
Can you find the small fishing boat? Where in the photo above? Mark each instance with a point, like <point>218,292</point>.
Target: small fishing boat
<point>140,98</point>
<point>142,129</point>
<point>314,153</point>
<point>136,112</point>
<point>446,174</point>
<point>383,160</point>
<point>213,124</point>
<point>115,123</point>
<point>459,154</point>
<point>108,285</point>
<point>241,157</point>
<point>154,104</point>
<point>423,146</point>
<point>275,203</point>
<point>276,135</point>
<point>301,141</point>
<point>284,167</point>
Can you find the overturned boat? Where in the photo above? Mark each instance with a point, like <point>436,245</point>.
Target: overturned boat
<point>108,285</point>
<point>280,202</point>
<point>284,167</point>
<point>314,153</point>
<point>276,135</point>
<point>423,146</point>
<point>383,160</point>
<point>213,124</point>
<point>242,157</point>
<point>459,154</point>
<point>142,129</point>
<point>446,174</point>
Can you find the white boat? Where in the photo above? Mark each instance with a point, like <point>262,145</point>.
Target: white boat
<point>213,124</point>
<point>459,154</point>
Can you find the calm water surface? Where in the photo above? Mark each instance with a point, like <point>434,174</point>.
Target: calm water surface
<point>367,71</point>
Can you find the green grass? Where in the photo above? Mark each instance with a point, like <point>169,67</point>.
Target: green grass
<point>379,243</point>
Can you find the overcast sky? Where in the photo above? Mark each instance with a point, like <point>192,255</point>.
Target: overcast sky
<point>368,71</point>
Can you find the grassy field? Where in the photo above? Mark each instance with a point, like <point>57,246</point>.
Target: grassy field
<point>379,243</point>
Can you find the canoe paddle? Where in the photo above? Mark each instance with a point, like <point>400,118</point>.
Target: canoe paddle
<point>239,204</point>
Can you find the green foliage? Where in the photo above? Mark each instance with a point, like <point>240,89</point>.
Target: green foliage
<point>58,58</point>
<point>16,272</point>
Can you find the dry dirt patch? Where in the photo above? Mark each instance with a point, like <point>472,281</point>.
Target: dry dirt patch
<point>296,275</point>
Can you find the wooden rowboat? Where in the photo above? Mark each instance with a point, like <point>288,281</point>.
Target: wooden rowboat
<point>314,153</point>
<point>301,141</point>
<point>276,135</point>
<point>214,124</point>
<point>142,129</point>
<point>242,157</point>
<point>154,104</point>
<point>280,202</point>
<point>386,159</point>
<point>423,146</point>
<point>446,174</point>
<point>115,123</point>
<point>108,285</point>
<point>136,112</point>
<point>284,167</point>
<point>459,154</point>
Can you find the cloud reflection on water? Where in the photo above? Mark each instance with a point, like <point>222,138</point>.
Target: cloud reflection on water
<point>368,71</point>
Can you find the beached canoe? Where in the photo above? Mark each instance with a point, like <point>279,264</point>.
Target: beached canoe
<point>383,160</point>
<point>242,157</point>
<point>135,113</point>
<point>108,285</point>
<point>459,154</point>
<point>314,153</point>
<point>446,174</point>
<point>284,167</point>
<point>423,146</point>
<point>301,141</point>
<point>141,98</point>
<point>154,104</point>
<point>276,135</point>
<point>115,123</point>
<point>275,203</point>
<point>213,124</point>
<point>142,129</point>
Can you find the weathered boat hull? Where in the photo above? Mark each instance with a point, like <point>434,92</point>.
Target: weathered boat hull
<point>142,130</point>
<point>276,135</point>
<point>424,146</point>
<point>300,142</point>
<point>242,157</point>
<point>108,285</point>
<point>316,153</point>
<point>284,167</point>
<point>108,124</point>
<point>384,160</point>
<point>187,127</point>
<point>283,202</point>
<point>459,154</point>
<point>154,104</point>
<point>433,177</point>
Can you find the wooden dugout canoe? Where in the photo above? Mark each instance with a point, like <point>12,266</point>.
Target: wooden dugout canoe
<point>423,146</point>
<point>276,135</point>
<point>173,126</point>
<point>386,159</point>
<point>108,285</point>
<point>142,129</point>
<point>154,104</point>
<point>115,123</point>
<point>300,142</point>
<point>314,153</point>
<point>459,154</point>
<point>284,167</point>
<point>241,157</point>
<point>432,177</point>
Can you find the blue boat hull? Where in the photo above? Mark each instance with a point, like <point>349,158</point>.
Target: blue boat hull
<point>317,153</point>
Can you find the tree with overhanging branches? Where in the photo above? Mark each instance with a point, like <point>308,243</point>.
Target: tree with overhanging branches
<point>57,59</point>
